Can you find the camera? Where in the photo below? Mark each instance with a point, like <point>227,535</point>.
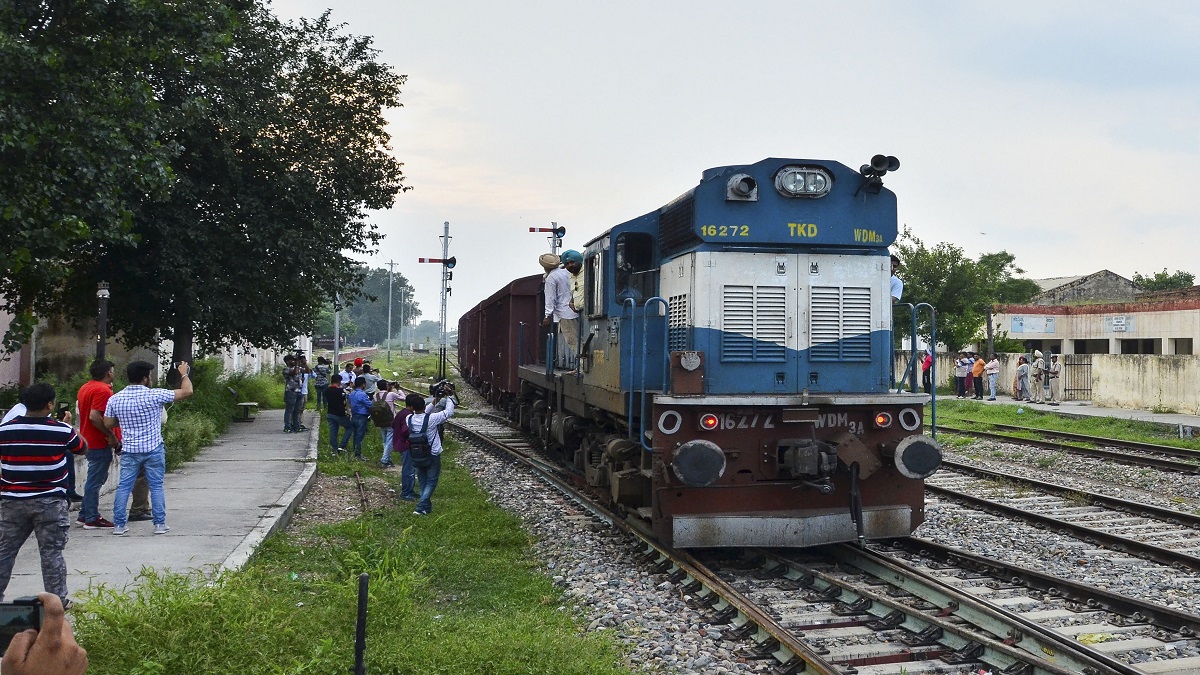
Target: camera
<point>18,616</point>
<point>441,389</point>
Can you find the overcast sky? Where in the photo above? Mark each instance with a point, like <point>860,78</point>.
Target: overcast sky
<point>1066,133</point>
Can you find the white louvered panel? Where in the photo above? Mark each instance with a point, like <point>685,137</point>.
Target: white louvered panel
<point>825,308</point>
<point>770,323</point>
<point>737,323</point>
<point>856,324</point>
<point>677,323</point>
<point>840,323</point>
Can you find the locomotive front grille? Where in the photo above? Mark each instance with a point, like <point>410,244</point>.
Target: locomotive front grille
<point>840,323</point>
<point>754,323</point>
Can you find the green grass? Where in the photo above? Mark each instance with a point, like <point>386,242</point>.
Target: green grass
<point>454,592</point>
<point>953,412</point>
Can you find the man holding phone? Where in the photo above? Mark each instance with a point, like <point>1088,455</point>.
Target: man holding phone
<point>138,410</point>
<point>49,648</point>
<point>34,452</point>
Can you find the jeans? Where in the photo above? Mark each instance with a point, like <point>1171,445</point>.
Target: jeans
<point>428,475</point>
<point>408,477</point>
<point>155,464</point>
<point>978,386</point>
<point>387,445</point>
<point>360,431</point>
<point>98,462</point>
<point>336,421</point>
<point>291,410</point>
<point>992,383</point>
<point>320,396</point>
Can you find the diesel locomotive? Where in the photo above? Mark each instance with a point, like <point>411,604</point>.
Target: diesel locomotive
<point>734,382</point>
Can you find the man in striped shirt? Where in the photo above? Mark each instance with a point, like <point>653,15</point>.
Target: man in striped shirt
<point>34,452</point>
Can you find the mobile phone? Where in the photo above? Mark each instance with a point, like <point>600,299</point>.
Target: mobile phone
<point>61,412</point>
<point>17,616</point>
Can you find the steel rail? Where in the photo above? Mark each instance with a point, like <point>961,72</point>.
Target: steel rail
<point>960,643</point>
<point>1123,458</point>
<point>1168,450</point>
<point>1116,542</point>
<point>1052,651</point>
<point>709,589</point>
<point>1172,516</point>
<point>1091,596</point>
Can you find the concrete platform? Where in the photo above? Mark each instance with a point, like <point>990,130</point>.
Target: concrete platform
<point>219,506</point>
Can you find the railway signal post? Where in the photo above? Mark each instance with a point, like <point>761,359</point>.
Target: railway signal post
<point>556,235</point>
<point>448,262</point>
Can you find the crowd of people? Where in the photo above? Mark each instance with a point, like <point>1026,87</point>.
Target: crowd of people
<point>1029,381</point>
<point>38,446</point>
<point>357,398</point>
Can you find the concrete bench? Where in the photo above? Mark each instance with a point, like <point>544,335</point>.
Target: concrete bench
<point>246,407</point>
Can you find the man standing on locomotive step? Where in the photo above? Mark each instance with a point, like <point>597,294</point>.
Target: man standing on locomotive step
<point>138,409</point>
<point>897,283</point>
<point>573,261</point>
<point>558,312</point>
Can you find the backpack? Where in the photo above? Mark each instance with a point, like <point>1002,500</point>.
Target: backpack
<point>419,449</point>
<point>381,414</point>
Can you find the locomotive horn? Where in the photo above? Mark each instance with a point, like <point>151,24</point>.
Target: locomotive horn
<point>879,164</point>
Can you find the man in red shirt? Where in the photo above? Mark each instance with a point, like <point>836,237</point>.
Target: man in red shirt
<point>103,443</point>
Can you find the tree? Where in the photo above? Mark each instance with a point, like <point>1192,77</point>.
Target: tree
<point>960,289</point>
<point>82,131</point>
<point>370,311</point>
<point>273,183</point>
<point>324,324</point>
<point>1161,281</point>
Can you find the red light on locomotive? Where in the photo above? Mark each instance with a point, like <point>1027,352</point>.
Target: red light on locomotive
<point>709,421</point>
<point>883,420</point>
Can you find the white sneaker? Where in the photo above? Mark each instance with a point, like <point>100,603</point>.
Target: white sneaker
<point>162,529</point>
<point>119,530</point>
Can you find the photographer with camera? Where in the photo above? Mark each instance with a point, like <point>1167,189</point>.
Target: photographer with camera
<point>427,425</point>
<point>295,391</point>
<point>50,650</point>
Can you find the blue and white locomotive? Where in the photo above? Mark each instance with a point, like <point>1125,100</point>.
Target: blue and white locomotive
<point>734,380</point>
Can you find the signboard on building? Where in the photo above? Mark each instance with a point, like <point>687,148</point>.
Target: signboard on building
<point>1032,324</point>
<point>1119,324</point>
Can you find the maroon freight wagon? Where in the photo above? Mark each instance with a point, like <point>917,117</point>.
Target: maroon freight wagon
<point>499,334</point>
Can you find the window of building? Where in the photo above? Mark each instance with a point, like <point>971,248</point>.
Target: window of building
<point>1141,346</point>
<point>1182,346</point>
<point>1090,346</point>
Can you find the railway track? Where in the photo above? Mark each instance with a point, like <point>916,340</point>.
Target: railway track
<point>1138,457</point>
<point>1162,535</point>
<point>910,620</point>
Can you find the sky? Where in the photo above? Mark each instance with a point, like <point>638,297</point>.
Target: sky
<point>1067,133</point>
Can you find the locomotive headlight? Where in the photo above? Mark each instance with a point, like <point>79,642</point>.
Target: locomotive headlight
<point>709,421</point>
<point>799,181</point>
<point>883,420</point>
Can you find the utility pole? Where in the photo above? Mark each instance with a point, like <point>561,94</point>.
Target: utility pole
<point>102,294</point>
<point>337,329</point>
<point>391,273</point>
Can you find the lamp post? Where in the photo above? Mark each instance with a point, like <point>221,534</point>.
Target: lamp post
<point>102,321</point>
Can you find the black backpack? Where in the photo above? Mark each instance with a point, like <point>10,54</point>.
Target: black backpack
<point>418,444</point>
<point>381,414</point>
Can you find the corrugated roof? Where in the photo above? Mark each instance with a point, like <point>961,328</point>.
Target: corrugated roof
<point>1055,282</point>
